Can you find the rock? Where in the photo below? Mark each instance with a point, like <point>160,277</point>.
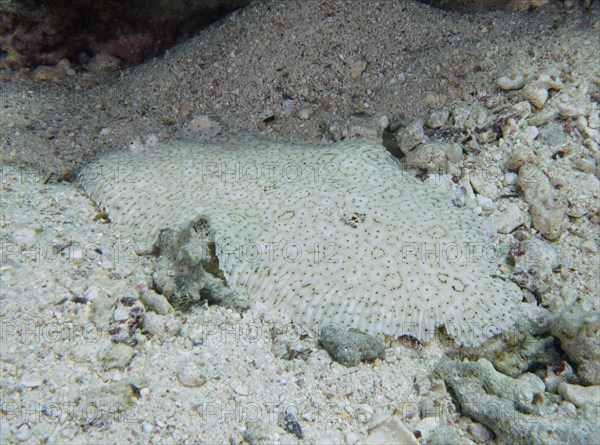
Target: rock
<point>548,209</point>
<point>127,316</point>
<point>536,91</point>
<point>524,347</point>
<point>508,219</point>
<point>287,420</point>
<point>426,426</point>
<point>519,156</point>
<point>190,374</point>
<point>357,67</point>
<point>577,330</point>
<point>580,395</point>
<point>23,433</point>
<point>557,372</point>
<point>460,116</point>
<point>589,246</point>
<point>510,82</point>
<point>533,264</point>
<point>154,324</point>
<point>480,433</point>
<point>118,356</point>
<point>305,113</point>
<point>350,438</point>
<point>282,349</point>
<point>411,136</point>
<point>514,409</point>
<point>438,118</point>
<point>120,314</point>
<point>390,431</point>
<point>201,127</point>
<point>485,179</point>
<point>261,432</point>
<point>486,204</point>
<point>583,194</point>
<point>350,348</point>
<point>45,73</point>
<point>448,435</point>
<point>104,62</point>
<point>156,302</point>
<point>433,157</point>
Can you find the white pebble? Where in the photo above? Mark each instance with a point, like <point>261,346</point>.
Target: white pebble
<point>191,375</point>
<point>23,433</point>
<point>120,315</point>
<point>305,113</point>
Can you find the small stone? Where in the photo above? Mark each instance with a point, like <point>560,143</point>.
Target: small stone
<point>484,180</point>
<point>202,126</point>
<point>433,157</point>
<point>45,73</point>
<point>261,433</point>
<point>190,375</point>
<point>547,208</point>
<point>594,120</point>
<point>357,67</point>
<point>153,324</point>
<point>536,93</point>
<point>411,136</point>
<point>156,302</point>
<point>579,395</point>
<point>577,330</point>
<point>557,372</point>
<point>427,425</point>
<point>281,348</point>
<point>520,155</point>
<point>533,262</point>
<point>434,100</point>
<point>510,178</point>
<point>438,118</point>
<point>23,433</point>
<point>508,219</point>
<point>118,356</point>
<point>570,111</point>
<point>535,383</point>
<point>567,409</point>
<point>103,62</point>
<point>350,438</point>
<point>147,428</point>
<point>589,246</point>
<point>445,435</point>
<point>350,348</point>
<point>120,314</point>
<point>390,431</point>
<point>305,113</point>
<point>480,433</point>
<point>511,82</point>
<point>287,420</point>
<point>486,204</point>
<point>460,116</point>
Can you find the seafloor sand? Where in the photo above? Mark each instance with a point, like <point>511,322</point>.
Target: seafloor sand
<point>290,70</point>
